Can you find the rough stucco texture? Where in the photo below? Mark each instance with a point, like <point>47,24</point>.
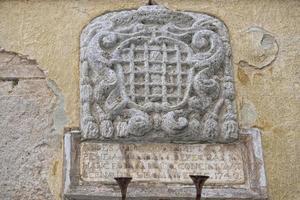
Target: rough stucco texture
<point>30,136</point>
<point>265,38</point>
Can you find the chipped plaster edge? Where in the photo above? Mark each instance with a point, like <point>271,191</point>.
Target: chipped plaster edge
<point>60,119</point>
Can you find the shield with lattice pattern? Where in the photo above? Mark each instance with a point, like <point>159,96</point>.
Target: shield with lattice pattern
<point>154,72</point>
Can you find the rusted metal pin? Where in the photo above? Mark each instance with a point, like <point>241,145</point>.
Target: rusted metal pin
<point>199,182</point>
<point>151,3</point>
<point>123,183</point>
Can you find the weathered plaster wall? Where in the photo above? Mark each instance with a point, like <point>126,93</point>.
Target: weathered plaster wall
<point>265,38</point>
<point>31,126</point>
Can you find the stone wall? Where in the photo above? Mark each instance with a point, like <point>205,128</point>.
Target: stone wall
<point>265,46</point>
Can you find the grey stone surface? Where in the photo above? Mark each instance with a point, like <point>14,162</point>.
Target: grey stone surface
<point>30,135</point>
<point>156,75</point>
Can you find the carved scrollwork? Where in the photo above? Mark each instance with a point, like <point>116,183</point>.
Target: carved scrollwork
<point>173,122</point>
<point>157,75</point>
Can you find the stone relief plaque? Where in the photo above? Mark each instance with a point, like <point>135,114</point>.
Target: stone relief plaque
<point>158,105</point>
<point>156,75</point>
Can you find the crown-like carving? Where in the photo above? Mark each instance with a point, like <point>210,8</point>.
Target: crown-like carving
<point>156,75</point>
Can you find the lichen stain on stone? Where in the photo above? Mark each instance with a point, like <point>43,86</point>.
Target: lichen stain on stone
<point>54,168</point>
<point>242,76</point>
<point>263,124</point>
<point>248,114</point>
<point>55,176</point>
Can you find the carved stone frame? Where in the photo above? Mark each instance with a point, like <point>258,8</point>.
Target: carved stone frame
<point>255,186</point>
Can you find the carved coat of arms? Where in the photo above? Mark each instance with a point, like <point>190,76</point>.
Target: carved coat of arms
<point>156,75</point>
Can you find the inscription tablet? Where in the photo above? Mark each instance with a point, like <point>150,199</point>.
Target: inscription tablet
<point>168,163</point>
<point>161,171</point>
